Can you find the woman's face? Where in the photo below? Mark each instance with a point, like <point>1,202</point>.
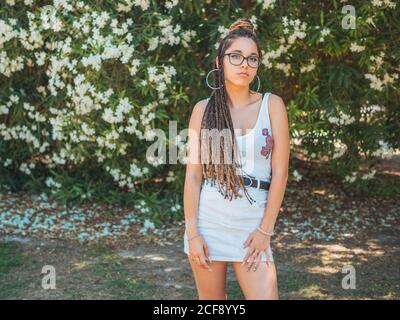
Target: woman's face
<point>248,48</point>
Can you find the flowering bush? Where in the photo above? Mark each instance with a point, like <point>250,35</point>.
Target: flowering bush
<point>84,82</point>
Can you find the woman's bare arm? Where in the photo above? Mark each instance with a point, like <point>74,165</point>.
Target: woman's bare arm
<point>193,177</point>
<point>279,161</point>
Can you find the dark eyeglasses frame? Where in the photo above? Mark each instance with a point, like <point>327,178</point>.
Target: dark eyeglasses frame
<point>243,58</point>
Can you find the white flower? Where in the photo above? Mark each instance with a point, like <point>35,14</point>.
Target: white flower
<point>384,150</point>
<point>176,207</point>
<point>354,47</point>
<point>93,61</point>
<point>309,67</point>
<point>170,177</point>
<point>6,33</point>
<point>223,31</point>
<point>340,149</point>
<point>50,182</point>
<point>267,4</point>
<point>325,32</point>
<point>296,175</point>
<point>369,176</point>
<point>351,178</point>
<point>135,171</point>
<point>170,4</point>
<point>343,119</point>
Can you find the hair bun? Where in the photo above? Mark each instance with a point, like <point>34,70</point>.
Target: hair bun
<point>242,24</point>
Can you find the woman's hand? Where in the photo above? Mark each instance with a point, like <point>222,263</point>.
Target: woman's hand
<point>198,252</point>
<point>259,244</point>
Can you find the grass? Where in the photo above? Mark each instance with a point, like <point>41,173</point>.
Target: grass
<point>11,259</point>
<point>153,272</point>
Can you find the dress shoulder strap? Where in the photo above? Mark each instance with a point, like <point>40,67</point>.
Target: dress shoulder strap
<point>266,112</point>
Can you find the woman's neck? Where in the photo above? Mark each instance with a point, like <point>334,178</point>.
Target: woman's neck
<point>240,98</point>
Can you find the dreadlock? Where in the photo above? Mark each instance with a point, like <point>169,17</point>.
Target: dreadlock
<point>223,169</point>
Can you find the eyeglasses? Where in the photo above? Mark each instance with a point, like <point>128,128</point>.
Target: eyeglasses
<point>237,59</point>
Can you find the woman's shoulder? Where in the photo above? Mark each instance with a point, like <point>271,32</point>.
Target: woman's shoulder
<point>275,99</point>
<point>277,111</point>
<point>200,106</point>
<point>276,103</point>
<point>198,111</point>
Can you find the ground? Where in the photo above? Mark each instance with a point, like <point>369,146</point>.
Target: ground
<point>321,229</point>
<point>306,270</point>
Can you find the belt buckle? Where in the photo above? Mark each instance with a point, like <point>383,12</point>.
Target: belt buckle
<point>258,182</point>
<point>249,179</point>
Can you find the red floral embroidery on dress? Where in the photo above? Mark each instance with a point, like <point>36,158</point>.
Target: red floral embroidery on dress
<point>269,142</point>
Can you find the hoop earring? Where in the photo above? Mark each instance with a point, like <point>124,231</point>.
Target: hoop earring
<point>209,84</point>
<point>258,78</point>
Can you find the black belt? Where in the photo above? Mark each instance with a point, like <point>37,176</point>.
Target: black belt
<point>252,182</point>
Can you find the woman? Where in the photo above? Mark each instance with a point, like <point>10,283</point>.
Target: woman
<point>231,216</point>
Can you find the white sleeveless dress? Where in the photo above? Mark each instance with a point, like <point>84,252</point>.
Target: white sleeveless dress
<point>224,224</point>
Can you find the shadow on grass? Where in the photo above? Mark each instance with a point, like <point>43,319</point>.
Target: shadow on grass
<point>317,272</point>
